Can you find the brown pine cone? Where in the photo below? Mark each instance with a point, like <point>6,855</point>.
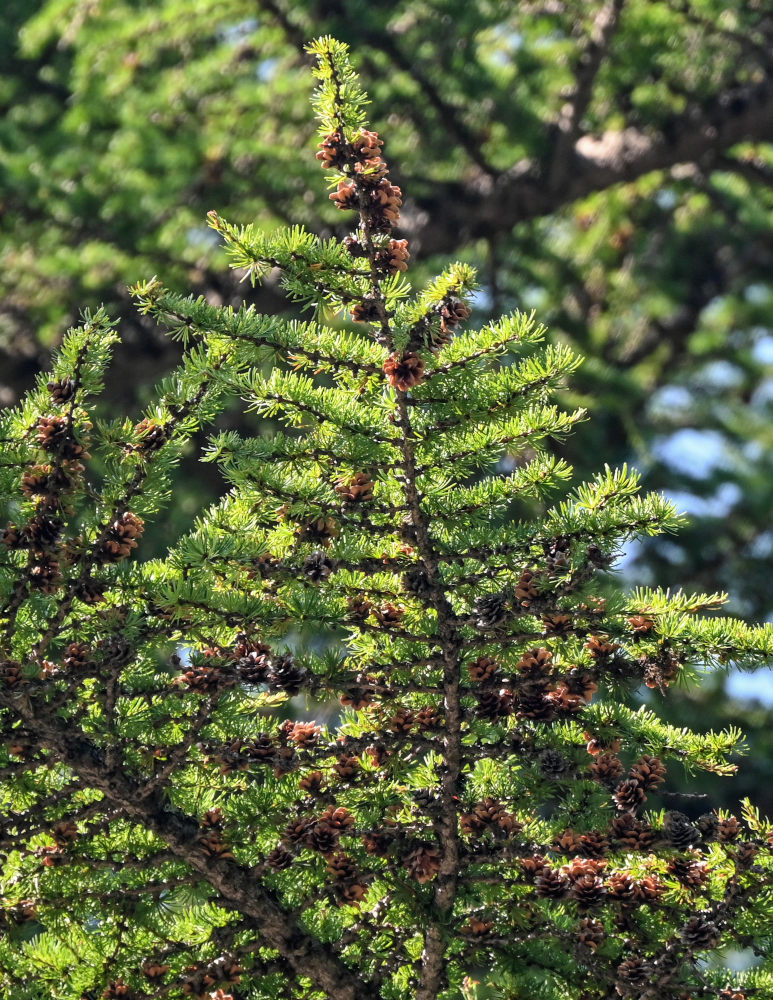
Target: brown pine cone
<point>359,489</point>
<point>120,538</point>
<point>453,312</point>
<point>588,891</point>
<point>649,772</point>
<point>557,624</point>
<point>689,870</point>
<point>476,928</point>
<point>311,783</point>
<point>402,721</point>
<point>534,865</point>
<point>621,885</point>
<point>634,972</point>
<point>154,970</point>
<point>591,933</point>
<point>55,434</point>
<point>331,151</point>
<point>495,706</point>
<point>640,624</point>
<point>398,256</point>
<point>599,648</point>
<point>90,591</point>
<point>45,574</point>
<point>551,884</point>
<point>10,673</point>
<point>337,818</point>
<point>428,718</point>
<point>77,656</point>
<point>728,830</point>
<point>279,858</point>
<point>345,196</point>
<point>287,675</point>
<point>347,767</point>
<point>384,206</point>
<point>320,530</point>
<point>631,832</point>
<point>536,661</point>
<point>606,768</point>
<point>367,145</point>
<point>151,436</point>
<point>117,990</point>
<point>65,832</point>
<point>629,796</point>
<point>483,669</point>
<point>593,844</point>
<point>341,867</point>
<point>649,889</point>
<point>423,863</point>
<point>526,588</point>
<point>368,310</point>
<point>323,838</point>
<point>358,607</point>
<point>378,843</point>
<point>389,614</point>
<point>700,933</point>
<point>304,734</point>
<point>404,373</point>
<point>61,391</point>
<point>581,682</point>
<point>567,843</point>
<point>297,832</point>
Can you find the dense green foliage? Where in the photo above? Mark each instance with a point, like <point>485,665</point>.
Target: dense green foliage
<point>485,813</point>
<point>584,156</point>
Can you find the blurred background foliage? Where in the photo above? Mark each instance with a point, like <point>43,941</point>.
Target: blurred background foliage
<point>607,164</point>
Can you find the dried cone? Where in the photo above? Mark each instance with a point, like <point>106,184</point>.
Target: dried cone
<point>359,489</point>
<point>629,796</point>
<point>121,537</point>
<point>331,151</point>
<point>689,870</point>
<point>622,886</point>
<point>55,434</point>
<point>404,373</point>
<point>490,611</point>
<point>649,772</point>
<point>423,864</point>
<point>590,933</point>
<point>551,884</point>
<point>151,436</point>
<point>483,669</point>
<point>61,391</point>
<point>700,933</point>
<point>311,783</point>
<point>154,970</point>
<point>398,256</point>
<point>280,858</point>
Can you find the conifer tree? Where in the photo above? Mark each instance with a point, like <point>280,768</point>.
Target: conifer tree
<point>184,814</point>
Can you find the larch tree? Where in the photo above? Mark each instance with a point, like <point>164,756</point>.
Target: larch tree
<point>371,728</point>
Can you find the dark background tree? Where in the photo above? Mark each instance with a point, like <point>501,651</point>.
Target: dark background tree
<point>607,163</point>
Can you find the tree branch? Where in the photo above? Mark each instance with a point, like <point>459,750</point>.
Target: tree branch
<point>589,64</point>
<point>485,206</point>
